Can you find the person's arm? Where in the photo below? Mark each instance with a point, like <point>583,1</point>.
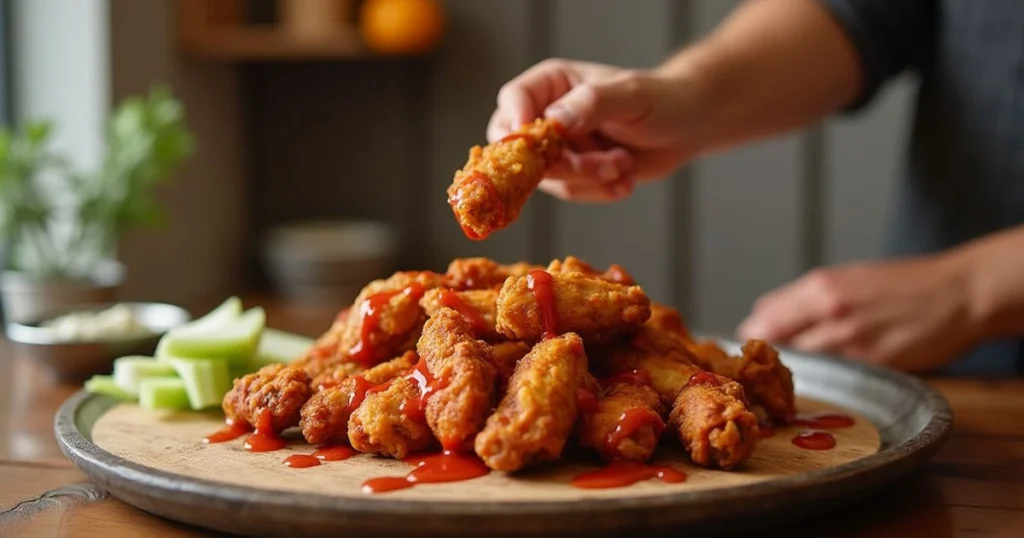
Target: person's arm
<point>776,65</point>
<point>994,266</point>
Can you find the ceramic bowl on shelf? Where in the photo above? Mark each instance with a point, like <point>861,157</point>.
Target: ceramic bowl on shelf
<point>72,356</point>
<point>328,262</point>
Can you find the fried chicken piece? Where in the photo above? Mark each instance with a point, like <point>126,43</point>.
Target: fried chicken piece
<point>653,354</point>
<point>626,424</point>
<point>492,188</point>
<point>478,307</point>
<point>384,423</point>
<point>325,416</point>
<point>713,422</point>
<point>276,389</point>
<point>504,357</point>
<point>571,264</point>
<point>323,354</point>
<point>456,377</point>
<point>386,317</point>
<point>667,318</point>
<point>540,304</point>
<point>766,381</point>
<point>482,273</point>
<point>535,418</point>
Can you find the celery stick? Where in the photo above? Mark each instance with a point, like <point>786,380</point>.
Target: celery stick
<point>227,312</point>
<point>104,384</point>
<point>279,347</point>
<point>234,341</point>
<point>163,393</point>
<point>206,380</point>
<point>129,372</point>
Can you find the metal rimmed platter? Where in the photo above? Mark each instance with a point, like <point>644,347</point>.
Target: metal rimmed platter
<point>910,423</point>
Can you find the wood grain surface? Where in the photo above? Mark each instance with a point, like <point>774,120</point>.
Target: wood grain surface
<point>973,487</point>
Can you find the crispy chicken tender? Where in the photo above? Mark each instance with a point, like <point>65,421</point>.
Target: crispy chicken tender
<point>492,188</point>
<point>668,319</point>
<point>504,357</point>
<point>325,416</point>
<point>386,317</point>
<point>571,264</point>
<point>323,354</point>
<point>766,381</point>
<point>277,389</point>
<point>478,307</point>
<point>713,423</point>
<point>595,309</point>
<point>659,355</point>
<point>458,379</point>
<point>626,425</point>
<point>383,423</point>
<point>332,376</point>
<point>535,418</point>
<point>482,273</point>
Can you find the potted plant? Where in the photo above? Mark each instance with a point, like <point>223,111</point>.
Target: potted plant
<point>59,226</point>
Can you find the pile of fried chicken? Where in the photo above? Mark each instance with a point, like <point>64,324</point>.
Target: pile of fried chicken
<point>514,362</point>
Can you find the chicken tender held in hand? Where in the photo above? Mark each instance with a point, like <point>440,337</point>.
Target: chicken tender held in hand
<point>478,307</point>
<point>276,390</point>
<point>713,421</point>
<point>535,418</point>
<point>541,305</point>
<point>456,377</point>
<point>492,188</point>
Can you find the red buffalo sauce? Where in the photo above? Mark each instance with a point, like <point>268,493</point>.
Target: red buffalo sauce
<point>454,301</point>
<point>629,422</point>
<point>638,377</point>
<point>334,452</point>
<point>264,440</point>
<point>542,285</point>
<point>619,474</point>
<point>826,420</point>
<point>301,461</point>
<point>704,378</point>
<point>616,273</point>
<point>814,440</point>
<point>518,136</point>
<point>232,431</point>
<point>494,203</point>
<point>369,313</point>
<point>586,402</point>
<point>427,384</point>
<point>358,393</point>
<point>447,466</point>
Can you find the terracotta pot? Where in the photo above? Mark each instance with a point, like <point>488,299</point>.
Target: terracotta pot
<point>26,298</point>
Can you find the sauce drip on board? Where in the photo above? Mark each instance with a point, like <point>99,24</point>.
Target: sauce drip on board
<point>369,313</point>
<point>334,452</point>
<point>826,420</point>
<point>264,440</point>
<point>495,203</point>
<point>704,378</point>
<point>452,300</point>
<point>301,461</point>
<point>637,377</point>
<point>542,285</point>
<point>815,440</point>
<point>631,421</point>
<point>619,474</point>
<point>586,402</point>
<point>447,466</point>
<point>232,431</point>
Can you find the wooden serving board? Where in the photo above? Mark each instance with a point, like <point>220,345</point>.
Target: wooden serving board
<point>172,443</point>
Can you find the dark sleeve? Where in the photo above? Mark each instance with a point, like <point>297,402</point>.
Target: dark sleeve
<point>889,36</point>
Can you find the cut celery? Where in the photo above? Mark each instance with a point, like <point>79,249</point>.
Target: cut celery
<point>163,393</point>
<point>129,372</point>
<point>206,380</point>
<point>226,313</point>
<point>104,384</point>
<point>280,347</point>
<point>234,342</point>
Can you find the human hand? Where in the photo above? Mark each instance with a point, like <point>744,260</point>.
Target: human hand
<point>910,315</point>
<point>623,125</point>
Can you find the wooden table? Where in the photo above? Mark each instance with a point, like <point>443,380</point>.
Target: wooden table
<point>975,486</point>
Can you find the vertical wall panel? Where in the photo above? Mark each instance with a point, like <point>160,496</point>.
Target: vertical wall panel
<point>487,43</point>
<point>864,157</point>
<point>748,216</point>
<point>635,233</point>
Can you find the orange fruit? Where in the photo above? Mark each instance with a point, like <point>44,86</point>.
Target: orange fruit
<point>401,26</point>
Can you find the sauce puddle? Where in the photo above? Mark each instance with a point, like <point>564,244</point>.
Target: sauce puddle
<point>430,469</point>
<point>232,431</point>
<point>620,474</point>
<point>814,440</point>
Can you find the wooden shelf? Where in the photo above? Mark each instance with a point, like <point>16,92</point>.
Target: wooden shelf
<point>253,43</point>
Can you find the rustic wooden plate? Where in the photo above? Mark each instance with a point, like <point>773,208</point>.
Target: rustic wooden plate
<point>157,463</point>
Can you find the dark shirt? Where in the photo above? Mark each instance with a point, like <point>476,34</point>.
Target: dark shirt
<point>964,171</point>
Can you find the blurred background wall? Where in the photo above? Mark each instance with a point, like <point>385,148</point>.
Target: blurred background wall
<point>287,139</point>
